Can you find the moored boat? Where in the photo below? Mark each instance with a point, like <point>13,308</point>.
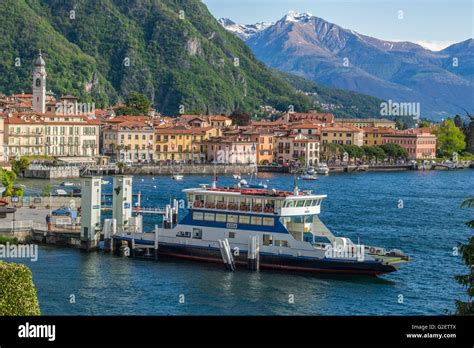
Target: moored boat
<point>322,169</point>
<point>290,234</point>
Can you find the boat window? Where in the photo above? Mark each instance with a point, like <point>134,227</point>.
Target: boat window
<point>209,216</point>
<point>244,219</point>
<point>257,205</point>
<point>281,243</point>
<point>256,220</point>
<point>245,205</point>
<point>233,218</point>
<point>289,204</point>
<point>300,203</point>
<point>267,239</point>
<point>297,219</point>
<point>198,216</point>
<point>232,235</point>
<point>221,217</point>
<point>308,203</point>
<point>268,221</point>
<point>197,233</point>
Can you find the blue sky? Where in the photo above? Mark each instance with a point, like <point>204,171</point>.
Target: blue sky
<point>433,23</point>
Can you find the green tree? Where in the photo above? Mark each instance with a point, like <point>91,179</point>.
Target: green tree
<point>46,191</point>
<point>17,291</point>
<point>136,105</point>
<point>450,138</point>
<point>354,151</point>
<point>21,165</point>
<point>120,167</point>
<point>458,122</point>
<point>424,124</point>
<point>394,151</point>
<point>7,179</point>
<point>467,280</point>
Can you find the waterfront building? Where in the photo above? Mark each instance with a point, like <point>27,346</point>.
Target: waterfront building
<point>311,129</point>
<point>179,143</point>
<point>39,124</point>
<point>232,150</point>
<point>419,143</point>
<point>264,139</point>
<point>342,134</point>
<point>205,121</point>
<point>367,122</point>
<point>129,140</point>
<point>373,136</point>
<point>291,117</point>
<point>51,134</point>
<point>291,147</point>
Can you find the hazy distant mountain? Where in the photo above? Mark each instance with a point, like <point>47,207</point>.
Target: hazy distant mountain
<point>328,54</point>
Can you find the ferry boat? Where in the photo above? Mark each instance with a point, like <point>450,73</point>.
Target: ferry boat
<point>290,234</point>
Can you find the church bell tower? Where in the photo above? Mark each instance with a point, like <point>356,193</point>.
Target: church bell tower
<point>39,85</point>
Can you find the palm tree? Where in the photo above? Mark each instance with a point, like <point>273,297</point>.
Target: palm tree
<point>127,148</point>
<point>467,280</point>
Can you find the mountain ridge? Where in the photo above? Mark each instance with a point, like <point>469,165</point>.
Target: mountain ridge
<point>336,57</point>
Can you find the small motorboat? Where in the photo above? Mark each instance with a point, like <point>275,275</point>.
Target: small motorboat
<point>244,184</point>
<point>66,184</point>
<point>322,169</point>
<point>177,177</point>
<point>309,177</point>
<point>310,171</point>
<point>5,209</point>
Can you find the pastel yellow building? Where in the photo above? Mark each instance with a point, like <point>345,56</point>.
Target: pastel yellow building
<point>183,144</point>
<point>51,134</point>
<point>129,141</point>
<point>373,136</point>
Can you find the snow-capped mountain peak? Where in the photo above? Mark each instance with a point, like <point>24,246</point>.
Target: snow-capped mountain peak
<point>244,31</point>
<point>294,16</point>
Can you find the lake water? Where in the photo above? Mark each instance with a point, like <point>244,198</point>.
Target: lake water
<point>363,206</point>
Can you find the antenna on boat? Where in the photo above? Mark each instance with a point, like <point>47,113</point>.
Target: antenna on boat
<point>214,180</point>
<point>296,190</point>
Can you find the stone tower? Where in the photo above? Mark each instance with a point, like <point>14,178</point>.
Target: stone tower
<point>39,85</point>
